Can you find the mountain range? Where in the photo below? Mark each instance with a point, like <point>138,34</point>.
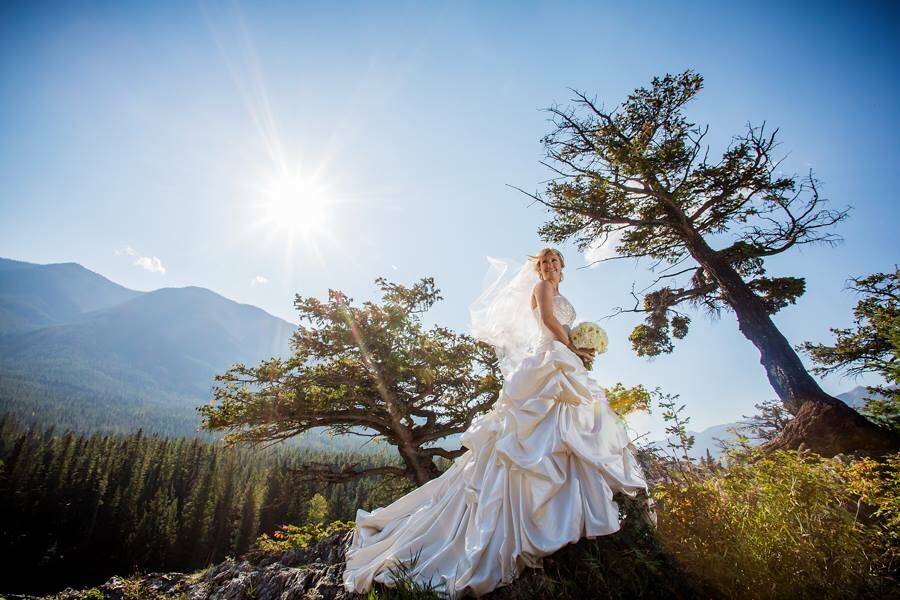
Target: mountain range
<point>81,351</point>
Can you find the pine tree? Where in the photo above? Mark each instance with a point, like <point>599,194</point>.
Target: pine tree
<point>640,173</point>
<point>370,371</point>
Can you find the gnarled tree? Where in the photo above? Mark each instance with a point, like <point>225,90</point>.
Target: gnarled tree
<point>370,371</point>
<point>640,174</point>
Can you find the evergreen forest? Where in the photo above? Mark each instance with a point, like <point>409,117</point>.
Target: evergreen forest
<point>76,509</point>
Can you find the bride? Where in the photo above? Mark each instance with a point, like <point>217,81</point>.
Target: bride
<point>541,466</point>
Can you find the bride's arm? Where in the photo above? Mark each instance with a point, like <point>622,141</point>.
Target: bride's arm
<point>543,293</point>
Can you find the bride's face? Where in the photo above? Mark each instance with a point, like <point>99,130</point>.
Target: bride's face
<point>551,267</point>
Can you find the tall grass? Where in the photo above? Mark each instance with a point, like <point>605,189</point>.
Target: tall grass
<point>790,524</point>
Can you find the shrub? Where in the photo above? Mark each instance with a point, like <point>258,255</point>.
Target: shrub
<point>298,536</point>
<point>783,525</point>
<point>877,484</point>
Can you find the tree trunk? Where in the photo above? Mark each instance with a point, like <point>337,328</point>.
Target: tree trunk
<point>419,465</point>
<point>831,429</point>
<point>821,422</point>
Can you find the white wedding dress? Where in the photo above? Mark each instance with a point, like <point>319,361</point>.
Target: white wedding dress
<point>539,473</point>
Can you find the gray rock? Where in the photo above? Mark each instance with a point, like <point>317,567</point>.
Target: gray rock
<point>315,573</point>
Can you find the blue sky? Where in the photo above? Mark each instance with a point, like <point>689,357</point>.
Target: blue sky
<point>150,134</point>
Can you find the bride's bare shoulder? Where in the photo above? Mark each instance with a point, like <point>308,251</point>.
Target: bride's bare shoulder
<point>542,289</point>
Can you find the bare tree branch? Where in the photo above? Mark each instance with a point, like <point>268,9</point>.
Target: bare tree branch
<point>326,473</point>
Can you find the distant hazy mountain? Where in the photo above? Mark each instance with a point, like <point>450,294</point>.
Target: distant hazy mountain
<point>855,397</point>
<point>34,296</point>
<point>176,339</point>
<point>81,351</point>
<point>706,439</point>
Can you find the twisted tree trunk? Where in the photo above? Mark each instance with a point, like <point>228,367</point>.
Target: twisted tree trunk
<point>821,422</point>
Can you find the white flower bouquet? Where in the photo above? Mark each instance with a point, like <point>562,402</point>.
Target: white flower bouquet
<point>589,336</point>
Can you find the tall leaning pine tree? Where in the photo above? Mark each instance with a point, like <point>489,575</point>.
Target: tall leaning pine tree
<point>640,174</point>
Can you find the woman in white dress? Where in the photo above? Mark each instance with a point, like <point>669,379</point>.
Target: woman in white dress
<point>541,466</point>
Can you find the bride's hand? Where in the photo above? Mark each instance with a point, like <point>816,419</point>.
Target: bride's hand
<point>585,354</point>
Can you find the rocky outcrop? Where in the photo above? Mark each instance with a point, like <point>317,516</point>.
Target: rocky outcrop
<point>314,573</point>
<point>627,564</point>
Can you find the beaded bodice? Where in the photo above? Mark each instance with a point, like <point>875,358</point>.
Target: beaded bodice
<point>562,310</point>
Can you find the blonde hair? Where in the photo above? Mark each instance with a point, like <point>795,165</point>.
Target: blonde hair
<point>540,256</point>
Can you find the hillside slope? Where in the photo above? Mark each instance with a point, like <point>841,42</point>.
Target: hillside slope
<point>85,353</point>
<point>34,296</point>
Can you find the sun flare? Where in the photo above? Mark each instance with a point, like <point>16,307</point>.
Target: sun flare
<point>293,204</point>
<point>296,210</point>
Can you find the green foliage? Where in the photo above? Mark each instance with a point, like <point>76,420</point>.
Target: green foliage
<point>373,371</point>
<point>776,293</point>
<point>676,429</point>
<point>318,509</point>
<point>404,584</point>
<point>297,536</point>
<point>625,400</point>
<point>640,174</point>
<point>877,483</point>
<point>769,420</point>
<point>780,526</point>
<point>873,345</point>
<point>408,590</point>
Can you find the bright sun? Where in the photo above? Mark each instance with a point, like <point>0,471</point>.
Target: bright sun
<point>294,209</point>
<point>292,204</point>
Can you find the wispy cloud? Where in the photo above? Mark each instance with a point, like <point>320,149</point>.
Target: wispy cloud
<point>149,263</point>
<point>259,280</point>
<point>602,248</point>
